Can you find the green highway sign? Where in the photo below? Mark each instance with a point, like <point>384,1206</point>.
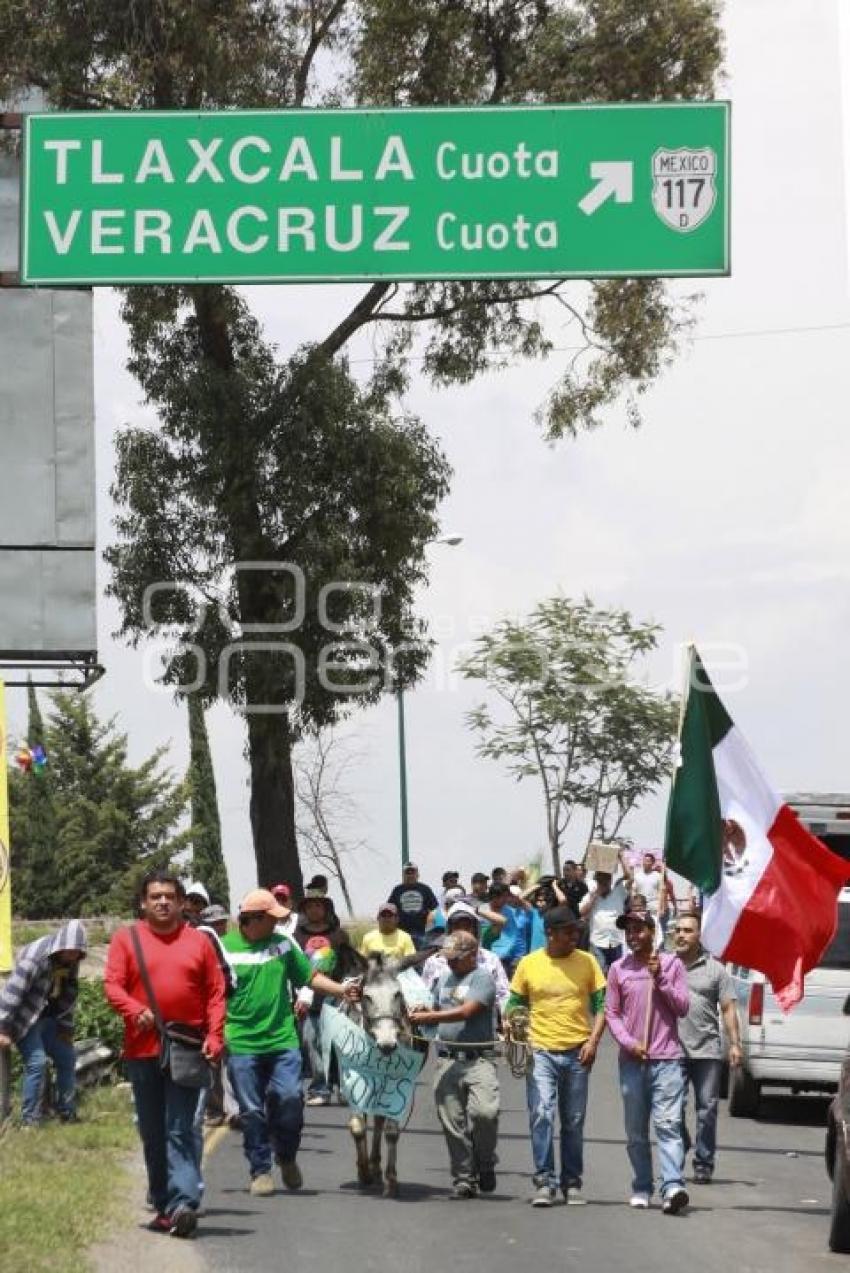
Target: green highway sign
<point>317,196</point>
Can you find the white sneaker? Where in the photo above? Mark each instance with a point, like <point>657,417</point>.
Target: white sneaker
<point>573,1197</point>
<point>640,1201</point>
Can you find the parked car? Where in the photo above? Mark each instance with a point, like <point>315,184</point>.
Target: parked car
<point>838,1159</point>
<point>804,1049</point>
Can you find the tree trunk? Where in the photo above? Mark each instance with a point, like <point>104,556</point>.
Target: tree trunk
<point>273,801</point>
<point>343,884</point>
<point>555,848</point>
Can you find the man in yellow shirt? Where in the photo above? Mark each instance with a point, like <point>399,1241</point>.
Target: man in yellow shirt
<point>563,990</point>
<point>388,938</point>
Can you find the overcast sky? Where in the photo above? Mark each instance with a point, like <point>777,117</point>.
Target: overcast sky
<point>724,518</point>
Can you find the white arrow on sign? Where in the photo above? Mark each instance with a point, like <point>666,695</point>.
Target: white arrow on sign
<point>615,179</point>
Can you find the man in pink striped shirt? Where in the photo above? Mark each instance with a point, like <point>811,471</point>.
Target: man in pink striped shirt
<point>647,994</point>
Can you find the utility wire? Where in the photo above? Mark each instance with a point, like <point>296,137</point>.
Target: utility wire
<point>744,334</point>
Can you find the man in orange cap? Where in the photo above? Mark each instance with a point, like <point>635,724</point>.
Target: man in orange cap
<point>264,1061</point>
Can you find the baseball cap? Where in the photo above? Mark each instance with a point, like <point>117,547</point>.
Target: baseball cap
<point>639,917</point>
<point>409,866</point>
<point>450,875</point>
<point>316,895</point>
<point>214,914</point>
<point>196,889</point>
<point>458,946</point>
<point>462,910</point>
<point>260,899</point>
<point>560,917</point>
<point>388,908</point>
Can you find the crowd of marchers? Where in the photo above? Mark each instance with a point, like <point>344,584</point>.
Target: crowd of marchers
<point>223,1022</point>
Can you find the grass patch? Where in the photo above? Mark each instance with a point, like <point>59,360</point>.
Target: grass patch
<point>63,1187</point>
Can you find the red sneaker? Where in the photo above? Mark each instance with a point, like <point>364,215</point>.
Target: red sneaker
<point>160,1224</point>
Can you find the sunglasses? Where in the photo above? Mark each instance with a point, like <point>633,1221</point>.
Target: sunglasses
<point>248,917</point>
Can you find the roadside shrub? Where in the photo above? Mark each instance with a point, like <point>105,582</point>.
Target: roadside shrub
<point>95,1018</point>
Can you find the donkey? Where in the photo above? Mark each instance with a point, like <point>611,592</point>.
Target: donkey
<point>382,1013</point>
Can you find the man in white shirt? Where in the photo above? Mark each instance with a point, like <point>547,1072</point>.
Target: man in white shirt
<point>648,881</point>
<point>463,918</point>
<point>601,908</point>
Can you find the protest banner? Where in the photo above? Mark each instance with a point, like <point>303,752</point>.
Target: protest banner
<point>371,1081</point>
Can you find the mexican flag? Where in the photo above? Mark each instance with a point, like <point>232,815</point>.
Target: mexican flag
<point>771,887</point>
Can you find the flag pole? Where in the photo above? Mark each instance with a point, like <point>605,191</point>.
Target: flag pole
<point>690,648</point>
<point>648,1016</point>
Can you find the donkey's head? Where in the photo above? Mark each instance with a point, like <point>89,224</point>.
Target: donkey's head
<point>382,1003</point>
<point>381,1008</point>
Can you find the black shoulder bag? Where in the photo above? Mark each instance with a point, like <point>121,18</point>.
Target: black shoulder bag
<point>180,1045</point>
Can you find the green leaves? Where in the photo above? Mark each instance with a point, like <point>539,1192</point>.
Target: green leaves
<point>108,821</point>
<point>207,853</point>
<point>262,457</point>
<point>572,712</point>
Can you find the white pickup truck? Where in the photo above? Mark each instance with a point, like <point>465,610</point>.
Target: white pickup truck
<point>804,1049</point>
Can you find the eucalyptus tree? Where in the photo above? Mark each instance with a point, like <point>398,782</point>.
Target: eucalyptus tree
<point>289,458</point>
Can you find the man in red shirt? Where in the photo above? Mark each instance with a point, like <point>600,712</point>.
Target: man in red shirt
<point>189,988</point>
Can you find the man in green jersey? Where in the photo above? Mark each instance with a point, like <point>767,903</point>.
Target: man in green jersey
<point>264,1059</point>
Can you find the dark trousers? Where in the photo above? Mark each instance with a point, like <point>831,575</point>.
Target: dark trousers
<point>703,1076</point>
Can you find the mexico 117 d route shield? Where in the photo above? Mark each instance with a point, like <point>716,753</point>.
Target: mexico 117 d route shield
<point>317,196</point>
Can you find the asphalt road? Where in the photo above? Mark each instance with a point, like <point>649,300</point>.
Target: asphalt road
<point>766,1210</point>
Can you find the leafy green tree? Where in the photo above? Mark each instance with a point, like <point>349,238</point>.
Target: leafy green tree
<point>33,827</point>
<point>290,459</point>
<point>572,714</point>
<point>207,854</point>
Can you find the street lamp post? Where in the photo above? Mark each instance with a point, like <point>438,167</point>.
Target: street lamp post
<point>451,541</point>
<point>402,780</point>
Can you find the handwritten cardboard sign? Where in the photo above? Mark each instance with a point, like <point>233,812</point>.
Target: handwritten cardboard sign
<point>373,1083</point>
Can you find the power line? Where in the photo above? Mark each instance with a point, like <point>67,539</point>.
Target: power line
<point>744,334</point>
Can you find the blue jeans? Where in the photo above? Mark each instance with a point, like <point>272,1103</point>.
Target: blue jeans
<point>268,1089</point>
<point>557,1082</point>
<point>311,1035</point>
<point>704,1075</point>
<point>166,1114</point>
<point>45,1039</point>
<point>655,1088</point>
<point>605,956</point>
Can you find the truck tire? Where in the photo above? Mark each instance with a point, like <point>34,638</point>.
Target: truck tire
<point>839,1216</point>
<point>744,1093</point>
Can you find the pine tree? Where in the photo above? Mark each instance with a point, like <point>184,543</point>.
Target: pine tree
<point>114,822</point>
<point>33,827</point>
<point>207,855</point>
